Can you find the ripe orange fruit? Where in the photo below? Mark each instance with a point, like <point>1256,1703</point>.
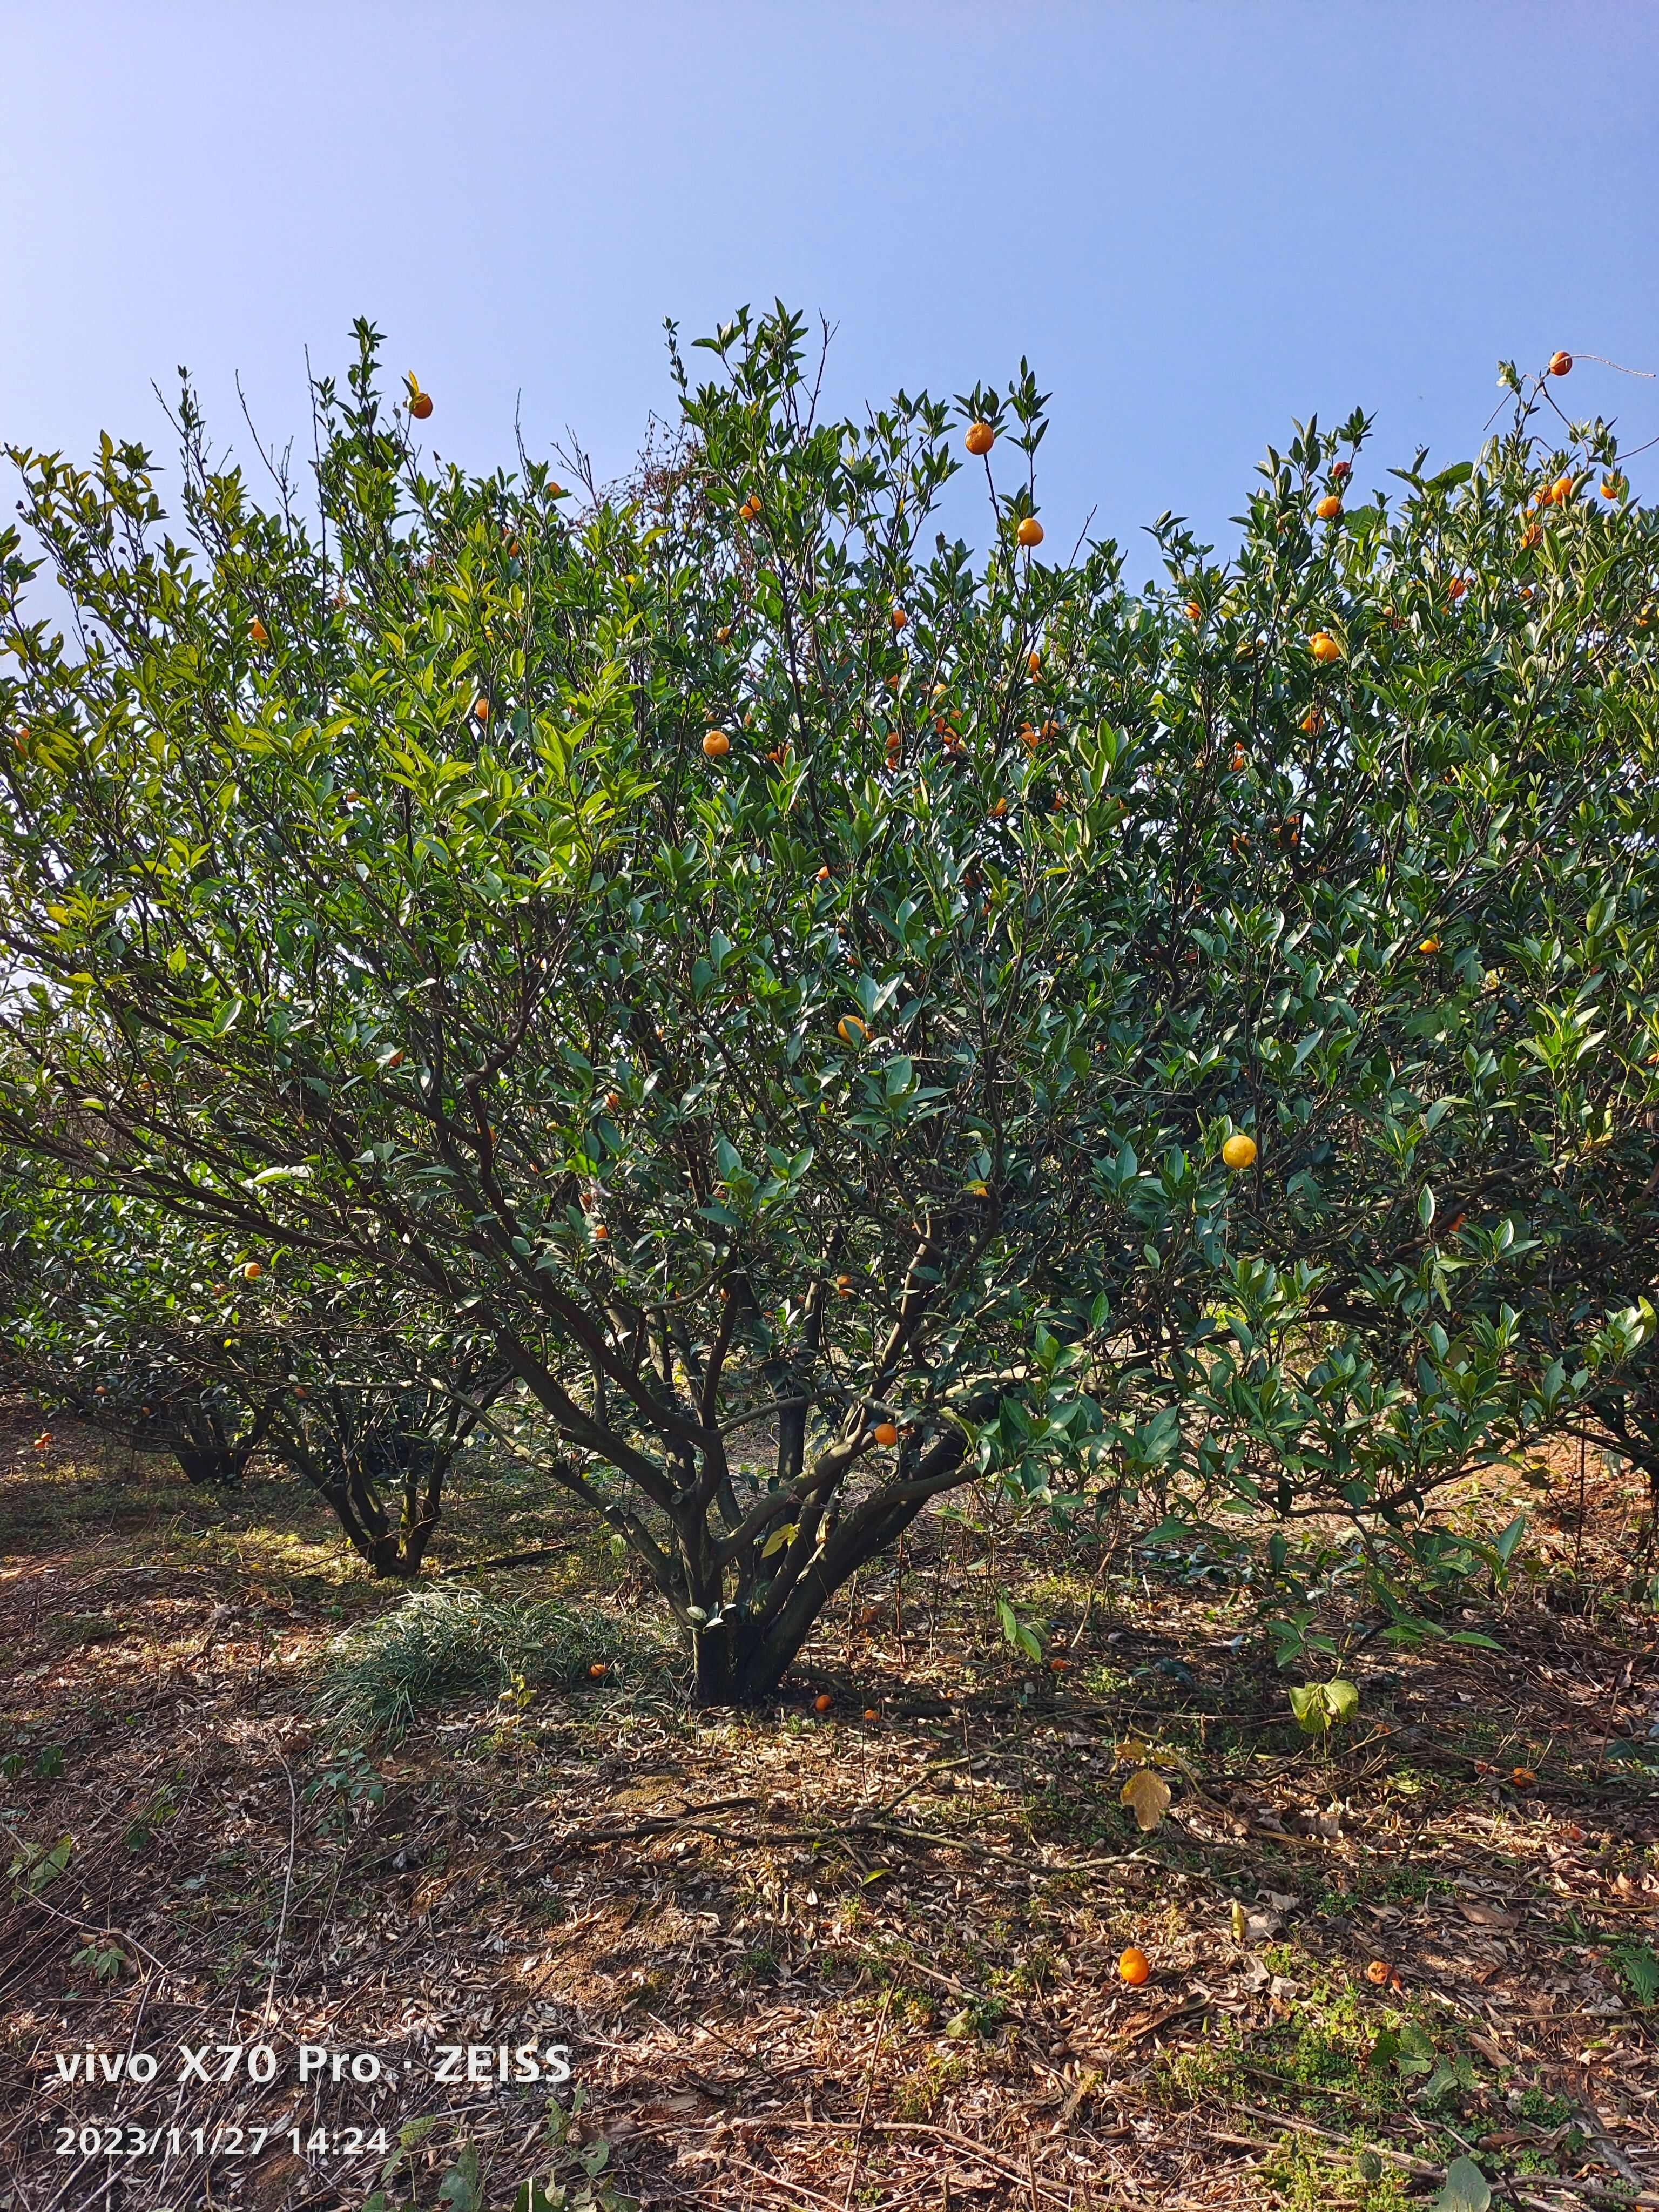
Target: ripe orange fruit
<point>1239,1152</point>
<point>1531,536</point>
<point>1341,472</point>
<point>482,710</point>
<point>844,1286</point>
<point>1030,531</point>
<point>1324,647</point>
<point>1134,1967</point>
<point>886,1434</point>
<point>822,1702</point>
<point>980,438</point>
<point>1028,737</point>
<point>1610,487</point>
<point>900,618</point>
<point>717,745</point>
<point>252,1271</point>
<point>1523,1778</point>
<point>1328,508</point>
<point>597,1671</point>
<point>601,1234</point>
<point>257,632</point>
<point>1561,490</point>
<point>421,405</point>
<point>871,1714</point>
<point>750,507</point>
<point>1378,1971</point>
<point>823,875</point>
<point>1034,664</point>
<point>1430,944</point>
<point>850,1030</point>
<point>1560,363</point>
<point>1312,722</point>
<point>1239,756</point>
<point>1194,611</point>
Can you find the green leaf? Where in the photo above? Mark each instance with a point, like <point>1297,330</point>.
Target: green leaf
<point>1465,2190</point>
<point>1638,1967</point>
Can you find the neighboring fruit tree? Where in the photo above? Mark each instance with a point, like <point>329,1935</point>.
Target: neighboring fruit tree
<point>1087,1038</point>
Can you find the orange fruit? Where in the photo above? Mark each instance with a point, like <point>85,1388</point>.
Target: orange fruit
<point>822,1702</point>
<point>597,1671</point>
<point>601,1234</point>
<point>850,1030</point>
<point>1060,1665</point>
<point>1328,508</point>
<point>1239,758</point>
<point>1560,363</point>
<point>1034,664</point>
<point>1194,611</point>
<point>1030,532</point>
<point>886,1434</point>
<point>871,1714</point>
<point>252,1271</point>
<point>1378,1971</point>
<point>716,745</point>
<point>1134,1967</point>
<point>1523,1778</point>
<point>723,636</point>
<point>1430,944</point>
<point>482,710</point>
<point>1561,490</point>
<point>979,438</point>
<point>844,1286</point>
<point>1530,536</point>
<point>1341,472</point>
<point>1239,1152</point>
<point>612,1100</point>
<point>1610,487</point>
<point>257,632</point>
<point>823,875</point>
<point>1312,722</point>
<point>900,618</point>
<point>1001,807</point>
<point>1324,647</point>
<point>421,405</point>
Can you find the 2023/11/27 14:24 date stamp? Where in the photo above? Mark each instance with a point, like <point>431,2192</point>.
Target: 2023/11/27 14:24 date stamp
<point>115,2140</point>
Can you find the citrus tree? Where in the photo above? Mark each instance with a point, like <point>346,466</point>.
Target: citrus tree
<point>163,1335</point>
<point>99,1317</point>
<point>837,1016</point>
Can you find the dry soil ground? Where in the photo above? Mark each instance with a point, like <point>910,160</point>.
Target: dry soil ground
<point>862,1958</point>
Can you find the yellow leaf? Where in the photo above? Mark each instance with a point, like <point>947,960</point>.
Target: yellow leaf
<point>1148,1794</point>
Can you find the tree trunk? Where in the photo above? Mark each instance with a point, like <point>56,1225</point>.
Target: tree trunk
<point>714,1676</point>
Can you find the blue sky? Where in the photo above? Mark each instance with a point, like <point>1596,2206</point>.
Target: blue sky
<point>1198,220</point>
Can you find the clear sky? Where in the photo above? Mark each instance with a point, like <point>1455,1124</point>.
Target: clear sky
<point>1198,219</point>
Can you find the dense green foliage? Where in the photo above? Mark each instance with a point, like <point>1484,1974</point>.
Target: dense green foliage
<point>371,901</point>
